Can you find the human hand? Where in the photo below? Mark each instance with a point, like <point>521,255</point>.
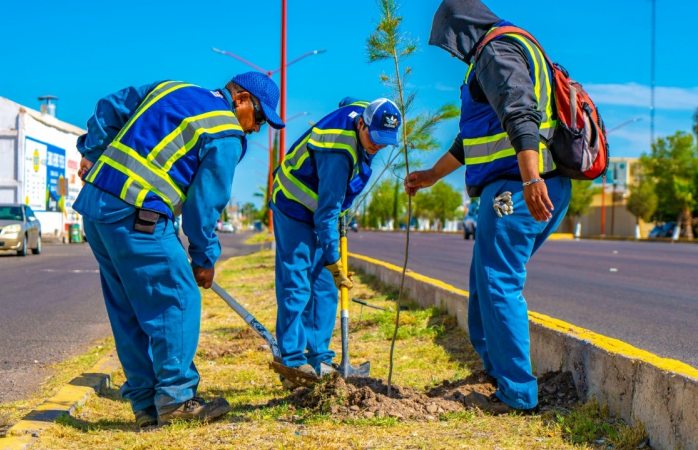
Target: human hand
<point>341,278</point>
<point>417,180</point>
<point>203,277</point>
<point>538,202</point>
<point>85,166</point>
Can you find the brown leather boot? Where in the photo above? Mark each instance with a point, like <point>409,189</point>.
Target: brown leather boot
<point>196,409</point>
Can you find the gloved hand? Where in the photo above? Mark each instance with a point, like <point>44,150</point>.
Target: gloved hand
<point>503,205</point>
<point>337,271</point>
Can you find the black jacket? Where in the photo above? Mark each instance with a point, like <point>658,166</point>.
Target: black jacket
<point>502,72</point>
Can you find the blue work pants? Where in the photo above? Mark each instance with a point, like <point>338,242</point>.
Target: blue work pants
<point>154,307</point>
<point>306,296</point>
<point>497,312</point>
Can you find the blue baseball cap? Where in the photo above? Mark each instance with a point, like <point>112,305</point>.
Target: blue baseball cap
<point>383,120</point>
<point>265,90</point>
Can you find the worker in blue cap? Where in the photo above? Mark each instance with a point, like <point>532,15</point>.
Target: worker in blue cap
<point>324,171</point>
<point>150,154</point>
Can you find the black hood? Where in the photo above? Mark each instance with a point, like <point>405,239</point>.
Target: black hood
<point>459,24</point>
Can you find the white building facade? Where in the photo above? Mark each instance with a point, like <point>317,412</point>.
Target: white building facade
<point>39,164</point>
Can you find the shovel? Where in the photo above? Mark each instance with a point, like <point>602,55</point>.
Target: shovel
<point>346,370</point>
<point>295,376</point>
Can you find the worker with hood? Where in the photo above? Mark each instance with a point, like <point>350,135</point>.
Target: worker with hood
<point>506,115</point>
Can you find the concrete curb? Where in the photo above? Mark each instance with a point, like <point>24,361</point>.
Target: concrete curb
<point>637,386</point>
<point>67,399</point>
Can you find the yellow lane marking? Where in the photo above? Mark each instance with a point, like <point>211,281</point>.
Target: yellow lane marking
<point>606,343</point>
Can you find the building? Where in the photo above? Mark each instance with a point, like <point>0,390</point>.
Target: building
<point>39,164</point>
<point>608,215</point>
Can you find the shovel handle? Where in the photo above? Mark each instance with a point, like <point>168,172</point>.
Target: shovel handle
<point>344,256</point>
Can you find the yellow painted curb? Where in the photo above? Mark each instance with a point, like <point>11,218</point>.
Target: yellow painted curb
<point>15,442</point>
<point>609,344</point>
<point>65,401</point>
<point>561,237</point>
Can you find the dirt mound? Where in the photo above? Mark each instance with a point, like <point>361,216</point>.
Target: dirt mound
<point>556,390</point>
<point>368,397</point>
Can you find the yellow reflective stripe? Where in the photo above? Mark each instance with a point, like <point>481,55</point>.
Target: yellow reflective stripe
<point>149,166</point>
<point>94,172</point>
<point>124,189</point>
<point>467,73</point>
<point>359,103</point>
<point>177,131</point>
<point>195,139</point>
<point>295,150</point>
<point>141,198</point>
<point>489,158</point>
<point>536,66</point>
<point>135,176</point>
<point>536,56</point>
<point>298,184</point>
<point>149,102</point>
<point>484,140</point>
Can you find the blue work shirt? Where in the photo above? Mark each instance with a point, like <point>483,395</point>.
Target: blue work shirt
<point>207,195</point>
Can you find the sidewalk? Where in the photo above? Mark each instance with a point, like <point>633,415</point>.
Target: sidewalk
<point>432,357</point>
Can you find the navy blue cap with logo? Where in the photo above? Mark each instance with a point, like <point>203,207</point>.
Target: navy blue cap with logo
<point>383,119</point>
<point>265,90</point>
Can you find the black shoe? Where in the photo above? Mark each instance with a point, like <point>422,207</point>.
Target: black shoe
<point>146,417</point>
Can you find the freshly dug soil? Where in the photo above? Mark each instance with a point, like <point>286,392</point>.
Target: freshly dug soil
<point>367,397</point>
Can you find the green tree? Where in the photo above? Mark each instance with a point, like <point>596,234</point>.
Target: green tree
<point>440,202</point>
<point>642,202</point>
<point>672,168</point>
<point>249,212</point>
<point>580,200</point>
<point>380,208</point>
<point>388,43</point>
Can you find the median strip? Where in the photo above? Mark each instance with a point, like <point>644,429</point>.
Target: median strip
<point>636,385</point>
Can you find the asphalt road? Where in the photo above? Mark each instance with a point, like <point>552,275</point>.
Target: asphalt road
<point>51,308</point>
<point>644,293</point>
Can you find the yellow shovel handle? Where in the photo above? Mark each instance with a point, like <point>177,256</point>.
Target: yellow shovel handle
<point>343,254</point>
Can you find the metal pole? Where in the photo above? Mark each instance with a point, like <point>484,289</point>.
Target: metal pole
<point>282,132</point>
<point>269,179</point>
<point>653,60</point>
<point>603,207</point>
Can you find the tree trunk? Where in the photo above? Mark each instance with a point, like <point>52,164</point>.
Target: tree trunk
<point>687,221</point>
<point>396,224</point>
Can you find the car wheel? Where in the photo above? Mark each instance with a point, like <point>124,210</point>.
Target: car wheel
<point>37,249</point>
<point>23,251</point>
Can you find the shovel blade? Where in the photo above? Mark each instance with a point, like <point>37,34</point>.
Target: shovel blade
<point>294,375</point>
<point>363,370</point>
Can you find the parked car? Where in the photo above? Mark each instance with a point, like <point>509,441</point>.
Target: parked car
<point>663,230</point>
<point>470,220</point>
<point>20,230</point>
<point>227,227</point>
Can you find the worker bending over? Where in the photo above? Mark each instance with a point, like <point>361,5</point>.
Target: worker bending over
<point>150,154</point>
<point>326,168</point>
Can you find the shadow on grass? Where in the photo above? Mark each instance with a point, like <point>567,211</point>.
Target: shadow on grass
<point>447,334</point>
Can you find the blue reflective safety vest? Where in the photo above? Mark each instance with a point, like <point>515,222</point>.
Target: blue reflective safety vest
<point>296,181</point>
<point>489,154</point>
<point>154,158</point>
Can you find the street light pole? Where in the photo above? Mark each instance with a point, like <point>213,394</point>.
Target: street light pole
<point>282,132</point>
<point>270,73</point>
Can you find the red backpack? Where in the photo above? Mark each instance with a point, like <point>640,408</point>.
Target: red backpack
<point>579,146</point>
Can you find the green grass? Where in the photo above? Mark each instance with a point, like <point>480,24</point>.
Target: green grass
<point>232,363</point>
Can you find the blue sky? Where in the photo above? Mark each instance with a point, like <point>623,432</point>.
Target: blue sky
<point>82,50</point>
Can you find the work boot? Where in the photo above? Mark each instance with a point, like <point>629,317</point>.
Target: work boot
<point>291,384</point>
<point>493,405</point>
<point>196,409</point>
<point>146,417</point>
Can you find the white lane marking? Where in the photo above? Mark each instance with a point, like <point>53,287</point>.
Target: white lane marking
<point>71,271</point>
